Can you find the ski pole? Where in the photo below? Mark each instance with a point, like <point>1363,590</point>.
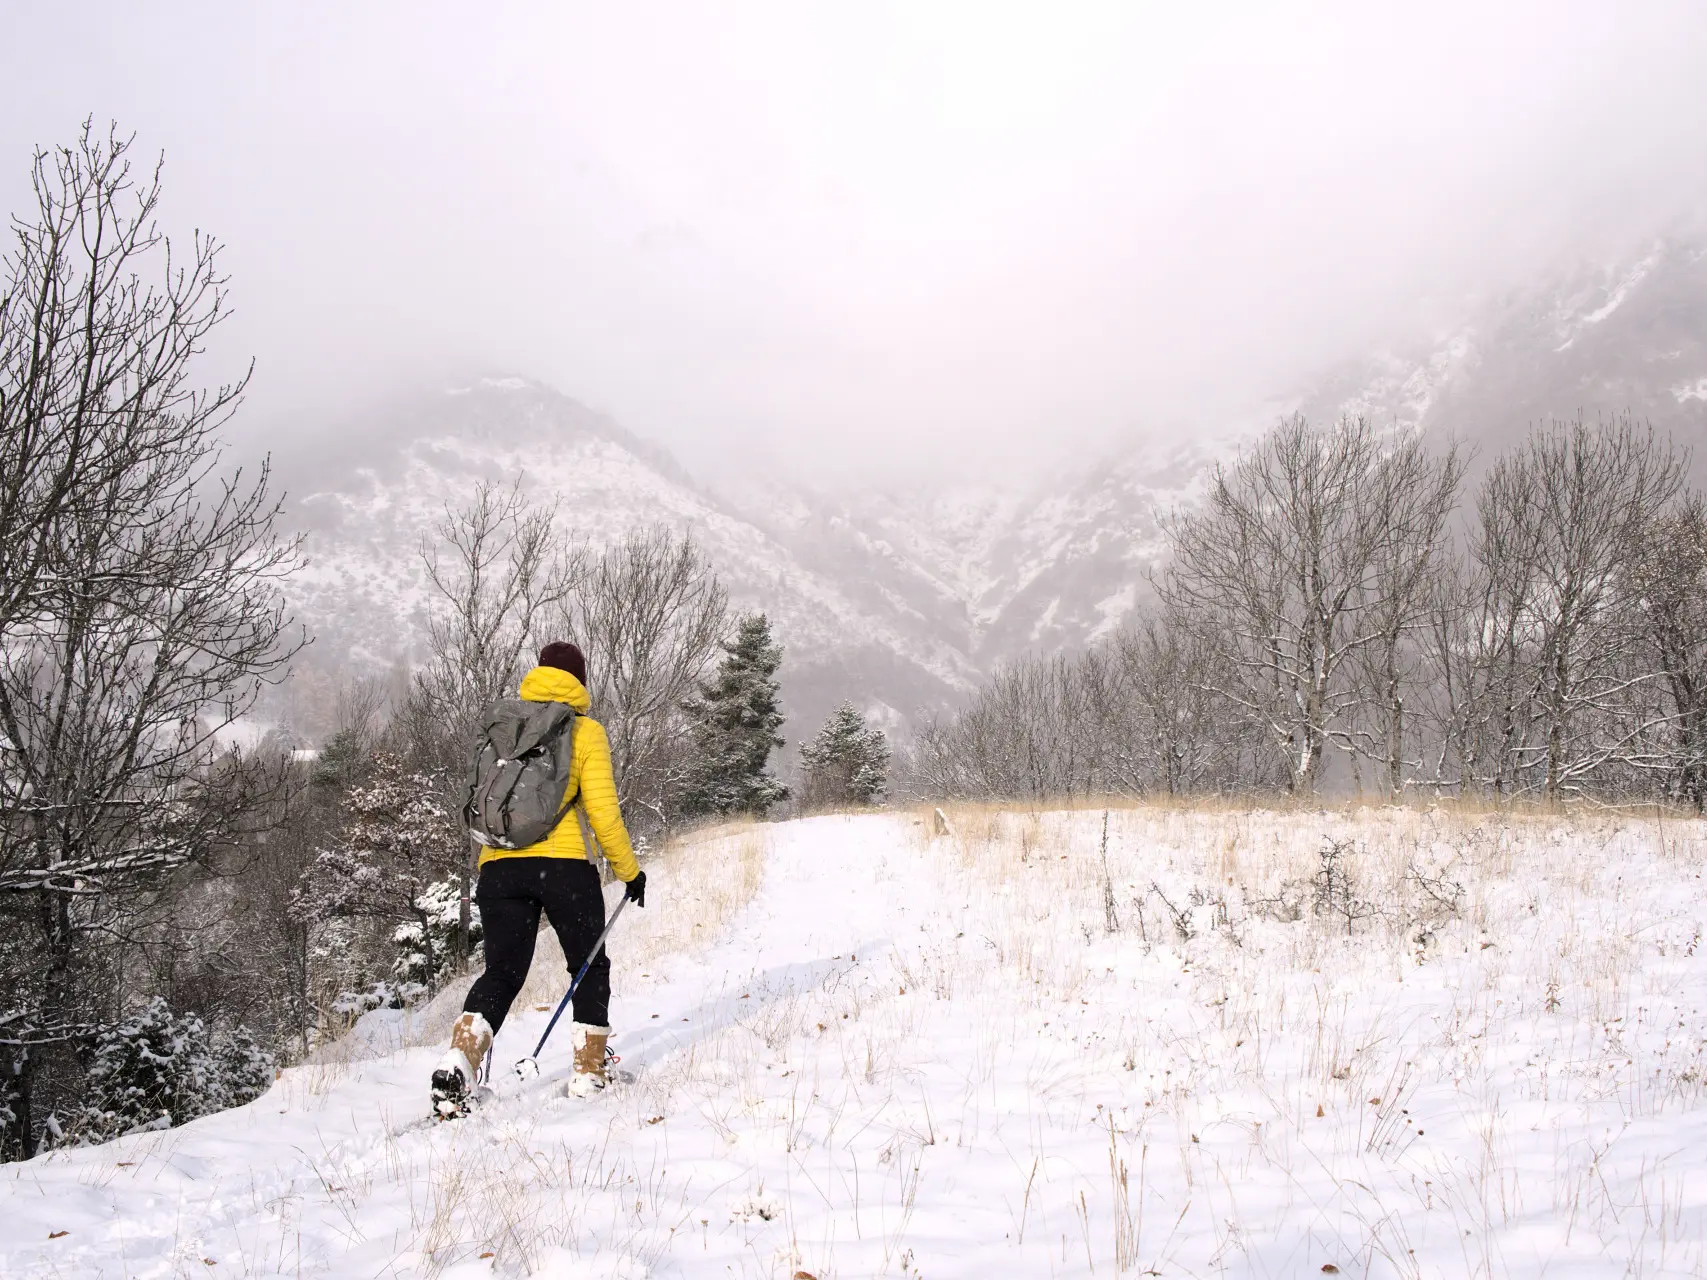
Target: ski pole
<point>528,1067</point>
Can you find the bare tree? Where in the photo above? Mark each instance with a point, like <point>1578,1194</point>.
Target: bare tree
<point>139,606</point>
<point>93,360</point>
<point>1482,645</point>
<point>649,613</point>
<point>1668,579</point>
<point>1176,736</point>
<point>1550,686</point>
<point>1289,574</point>
<point>1411,501</point>
<point>1318,600</point>
<point>1032,732</point>
<point>499,568</point>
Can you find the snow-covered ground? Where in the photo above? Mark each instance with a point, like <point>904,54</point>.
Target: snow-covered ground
<point>861,1049</point>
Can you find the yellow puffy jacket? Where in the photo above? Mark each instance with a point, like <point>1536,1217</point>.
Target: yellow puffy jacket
<point>590,777</point>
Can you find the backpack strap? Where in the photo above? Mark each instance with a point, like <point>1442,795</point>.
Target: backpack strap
<point>588,842</point>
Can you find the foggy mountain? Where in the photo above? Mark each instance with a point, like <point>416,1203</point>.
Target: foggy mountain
<point>900,603</point>
<point>1599,341</point>
<point>365,595</point>
<point>901,600</point>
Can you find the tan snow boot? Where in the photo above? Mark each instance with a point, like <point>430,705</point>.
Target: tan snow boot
<point>589,1076</point>
<point>455,1076</point>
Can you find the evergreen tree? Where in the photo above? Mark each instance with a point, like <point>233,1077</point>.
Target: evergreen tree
<point>426,948</point>
<point>735,718</point>
<point>848,761</point>
<point>396,843</point>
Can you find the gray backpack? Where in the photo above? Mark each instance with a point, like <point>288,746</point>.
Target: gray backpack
<point>518,782</point>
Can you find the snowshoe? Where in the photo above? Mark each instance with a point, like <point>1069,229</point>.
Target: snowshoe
<point>451,1094</point>
<point>450,1105</point>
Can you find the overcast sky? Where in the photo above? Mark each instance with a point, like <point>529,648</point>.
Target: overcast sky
<point>869,239</point>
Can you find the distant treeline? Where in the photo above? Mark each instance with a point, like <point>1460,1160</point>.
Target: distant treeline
<point>1334,612</point>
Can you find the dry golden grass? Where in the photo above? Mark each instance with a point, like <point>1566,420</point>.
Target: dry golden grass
<point>1478,806</point>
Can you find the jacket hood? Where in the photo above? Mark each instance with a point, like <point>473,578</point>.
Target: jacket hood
<point>549,684</point>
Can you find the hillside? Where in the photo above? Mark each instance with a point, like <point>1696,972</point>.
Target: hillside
<point>1480,1050</point>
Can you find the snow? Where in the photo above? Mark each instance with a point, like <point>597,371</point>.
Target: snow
<point>1620,291</point>
<point>1405,391</point>
<point>1113,609</point>
<point>861,1050</point>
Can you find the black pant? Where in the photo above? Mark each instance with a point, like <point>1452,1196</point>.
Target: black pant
<point>511,894</point>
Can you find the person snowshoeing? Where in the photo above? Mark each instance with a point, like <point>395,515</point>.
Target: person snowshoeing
<point>553,874</point>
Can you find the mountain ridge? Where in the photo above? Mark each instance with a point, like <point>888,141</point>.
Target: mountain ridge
<point>903,599</point>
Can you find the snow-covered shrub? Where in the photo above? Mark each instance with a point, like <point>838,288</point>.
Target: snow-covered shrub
<point>381,995</point>
<point>157,1068</point>
<point>426,947</point>
<point>244,1068</point>
<point>150,1065</point>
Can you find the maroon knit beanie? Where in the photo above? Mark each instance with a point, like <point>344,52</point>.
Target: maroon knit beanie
<point>565,657</point>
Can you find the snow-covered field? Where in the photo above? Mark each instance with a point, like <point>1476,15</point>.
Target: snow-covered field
<point>862,1049</point>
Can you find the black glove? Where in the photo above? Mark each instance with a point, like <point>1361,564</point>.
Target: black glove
<point>636,889</point>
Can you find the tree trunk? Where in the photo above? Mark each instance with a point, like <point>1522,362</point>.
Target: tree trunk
<point>24,1075</point>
